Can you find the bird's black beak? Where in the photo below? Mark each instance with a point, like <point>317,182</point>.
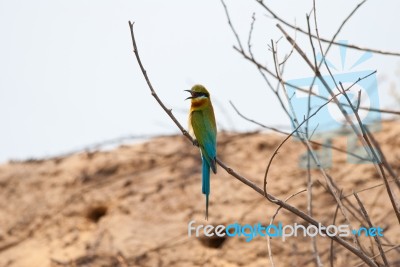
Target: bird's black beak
<point>190,97</point>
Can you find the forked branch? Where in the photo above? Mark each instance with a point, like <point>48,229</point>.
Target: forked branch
<point>241,178</point>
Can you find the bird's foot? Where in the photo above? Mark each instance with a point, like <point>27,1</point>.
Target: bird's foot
<point>195,142</point>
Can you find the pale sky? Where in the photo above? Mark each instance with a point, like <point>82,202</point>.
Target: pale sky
<point>68,77</point>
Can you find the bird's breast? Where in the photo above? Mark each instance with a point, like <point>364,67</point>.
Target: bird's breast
<point>198,103</point>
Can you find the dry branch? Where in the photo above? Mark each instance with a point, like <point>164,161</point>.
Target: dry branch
<point>360,135</point>
<point>278,18</point>
<point>233,173</point>
<point>377,240</point>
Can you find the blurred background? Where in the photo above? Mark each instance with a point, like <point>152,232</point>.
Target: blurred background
<point>69,78</point>
<point>69,82</point>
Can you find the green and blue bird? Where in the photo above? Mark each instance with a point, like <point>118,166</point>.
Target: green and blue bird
<point>202,125</point>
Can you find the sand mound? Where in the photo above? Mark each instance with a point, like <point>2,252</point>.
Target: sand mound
<point>131,206</point>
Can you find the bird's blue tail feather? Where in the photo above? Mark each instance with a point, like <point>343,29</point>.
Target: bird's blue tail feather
<point>206,207</point>
<point>206,182</point>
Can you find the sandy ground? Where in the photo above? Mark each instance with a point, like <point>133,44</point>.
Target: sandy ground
<point>131,206</point>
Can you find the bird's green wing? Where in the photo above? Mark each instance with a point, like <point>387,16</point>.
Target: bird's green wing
<point>206,133</point>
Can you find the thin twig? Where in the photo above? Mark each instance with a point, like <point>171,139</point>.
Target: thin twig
<point>309,178</point>
<point>366,189</point>
<point>272,220</point>
<point>377,255</point>
<point>264,68</point>
<point>253,21</point>
<point>249,46</point>
<point>290,52</point>
<point>286,133</point>
<point>331,251</point>
<point>376,51</point>
<point>230,24</point>
<point>153,93</point>
<point>383,158</point>
<point>340,28</point>
<point>370,225</point>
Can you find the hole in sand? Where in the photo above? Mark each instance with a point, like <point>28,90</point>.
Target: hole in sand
<point>214,241</point>
<point>95,213</point>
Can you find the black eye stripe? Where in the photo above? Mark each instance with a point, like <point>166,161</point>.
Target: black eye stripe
<point>199,94</point>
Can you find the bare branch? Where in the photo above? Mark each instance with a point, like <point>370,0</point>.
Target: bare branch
<point>272,220</point>
<point>328,179</point>
<point>243,179</point>
<point>376,51</point>
<point>383,159</point>
<point>286,133</point>
<point>230,24</point>
<point>153,93</point>
<point>341,27</point>
<point>377,255</point>
<point>331,257</point>
<point>370,225</point>
<point>361,137</point>
<point>264,68</point>
<point>309,177</point>
<point>366,189</point>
